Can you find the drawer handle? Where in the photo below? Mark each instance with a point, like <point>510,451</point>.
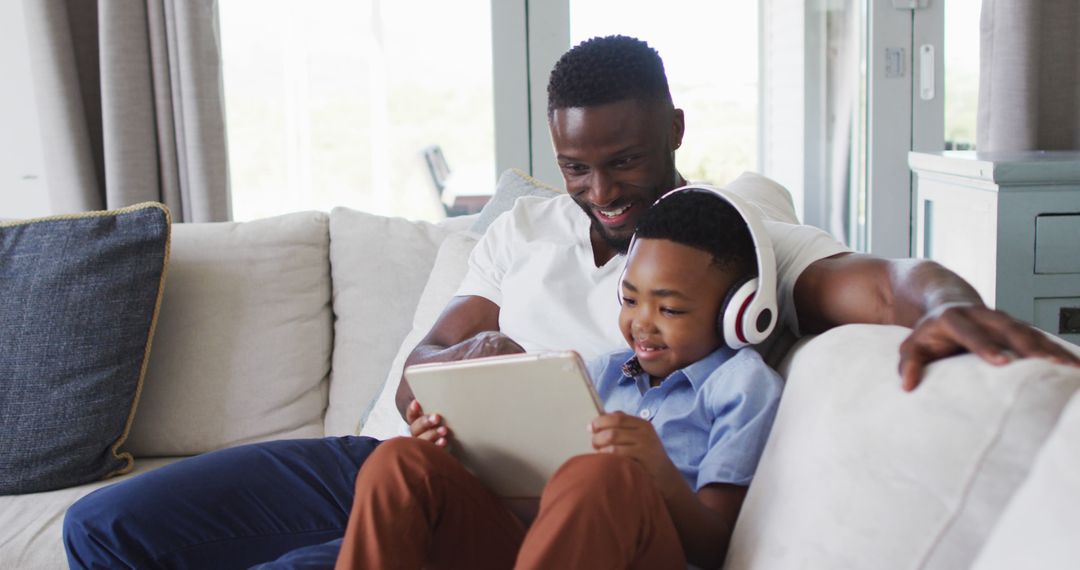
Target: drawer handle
<point>1069,320</point>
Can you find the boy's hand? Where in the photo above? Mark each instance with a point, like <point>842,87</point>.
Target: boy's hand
<point>430,427</point>
<point>635,438</point>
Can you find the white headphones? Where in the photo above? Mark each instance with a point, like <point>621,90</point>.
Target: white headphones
<point>748,313</point>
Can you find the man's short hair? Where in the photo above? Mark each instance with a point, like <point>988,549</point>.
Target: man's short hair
<point>607,70</point>
<point>706,222</point>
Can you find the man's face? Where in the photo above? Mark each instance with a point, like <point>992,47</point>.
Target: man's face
<point>671,297</point>
<point>617,160</point>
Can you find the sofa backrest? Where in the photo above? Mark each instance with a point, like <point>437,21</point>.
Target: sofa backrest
<point>379,267</point>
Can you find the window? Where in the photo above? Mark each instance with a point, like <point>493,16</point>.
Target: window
<point>332,102</point>
<point>712,67</point>
<point>961,74</point>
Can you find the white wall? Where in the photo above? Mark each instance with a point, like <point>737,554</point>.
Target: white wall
<point>23,190</point>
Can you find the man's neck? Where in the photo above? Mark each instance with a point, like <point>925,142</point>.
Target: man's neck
<point>601,249</point>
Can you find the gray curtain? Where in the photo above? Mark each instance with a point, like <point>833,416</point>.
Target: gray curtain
<point>131,105</point>
<point>1029,77</point>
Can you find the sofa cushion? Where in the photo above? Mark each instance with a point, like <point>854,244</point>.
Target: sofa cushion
<point>384,421</point>
<point>243,346</point>
<point>1039,528</point>
<point>859,474</point>
<point>379,266</point>
<point>79,299</point>
<point>31,526</point>
<point>512,185</point>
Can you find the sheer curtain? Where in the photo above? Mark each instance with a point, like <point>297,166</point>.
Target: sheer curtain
<point>1029,80</point>
<point>130,103</point>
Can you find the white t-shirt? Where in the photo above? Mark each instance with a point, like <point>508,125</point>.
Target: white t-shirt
<point>536,263</point>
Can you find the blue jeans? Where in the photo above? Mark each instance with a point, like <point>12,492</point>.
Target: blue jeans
<point>279,503</point>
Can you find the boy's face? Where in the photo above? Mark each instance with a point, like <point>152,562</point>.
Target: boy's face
<point>671,298</point>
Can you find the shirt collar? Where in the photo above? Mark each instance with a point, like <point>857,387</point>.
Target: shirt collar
<point>700,371</point>
<point>697,373</point>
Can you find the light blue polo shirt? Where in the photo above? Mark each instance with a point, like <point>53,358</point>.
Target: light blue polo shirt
<point>713,416</point>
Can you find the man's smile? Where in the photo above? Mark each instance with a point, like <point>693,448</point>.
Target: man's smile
<point>614,217</point>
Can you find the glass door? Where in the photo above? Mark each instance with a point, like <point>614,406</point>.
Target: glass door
<point>961,73</point>
<point>905,112</point>
<point>826,97</point>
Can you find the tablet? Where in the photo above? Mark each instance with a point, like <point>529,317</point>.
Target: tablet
<point>515,418</point>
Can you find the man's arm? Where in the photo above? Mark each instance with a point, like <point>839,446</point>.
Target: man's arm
<point>945,312</point>
<point>467,328</point>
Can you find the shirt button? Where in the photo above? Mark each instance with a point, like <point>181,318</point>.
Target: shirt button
<point>645,414</point>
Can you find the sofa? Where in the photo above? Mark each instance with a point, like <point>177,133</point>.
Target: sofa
<point>297,326</point>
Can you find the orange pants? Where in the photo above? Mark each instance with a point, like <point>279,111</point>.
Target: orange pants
<point>417,506</point>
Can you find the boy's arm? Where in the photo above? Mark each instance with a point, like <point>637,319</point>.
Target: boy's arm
<point>705,520</point>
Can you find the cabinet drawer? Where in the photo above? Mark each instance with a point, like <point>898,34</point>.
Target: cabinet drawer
<point>1057,243</point>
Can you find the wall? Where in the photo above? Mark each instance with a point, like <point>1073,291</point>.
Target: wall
<point>23,190</point>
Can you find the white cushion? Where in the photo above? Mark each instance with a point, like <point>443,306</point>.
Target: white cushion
<point>1041,526</point>
<point>379,266</point>
<point>859,474</point>
<point>31,526</point>
<point>384,421</point>
<point>242,349</point>
<point>512,184</point>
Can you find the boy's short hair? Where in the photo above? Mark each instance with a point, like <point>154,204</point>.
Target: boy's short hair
<point>606,70</point>
<point>706,222</point>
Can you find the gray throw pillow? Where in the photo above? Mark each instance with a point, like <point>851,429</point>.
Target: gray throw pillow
<point>512,185</point>
<point>79,298</point>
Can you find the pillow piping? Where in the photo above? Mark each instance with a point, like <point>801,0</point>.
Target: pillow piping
<point>535,182</point>
<point>127,456</point>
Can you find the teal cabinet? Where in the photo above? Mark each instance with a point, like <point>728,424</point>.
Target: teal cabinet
<point>1009,223</point>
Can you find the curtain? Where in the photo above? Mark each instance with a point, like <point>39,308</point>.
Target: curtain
<point>1029,76</point>
<point>131,105</point>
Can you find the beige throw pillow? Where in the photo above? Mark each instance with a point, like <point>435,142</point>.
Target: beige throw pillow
<point>384,421</point>
<point>379,267</point>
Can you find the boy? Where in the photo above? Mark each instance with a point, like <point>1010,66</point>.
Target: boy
<point>687,420</point>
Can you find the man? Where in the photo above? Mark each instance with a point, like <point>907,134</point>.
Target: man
<point>614,129</point>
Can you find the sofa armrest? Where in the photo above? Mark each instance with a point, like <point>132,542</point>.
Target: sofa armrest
<point>859,474</point>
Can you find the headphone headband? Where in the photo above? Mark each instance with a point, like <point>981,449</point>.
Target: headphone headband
<point>749,313</point>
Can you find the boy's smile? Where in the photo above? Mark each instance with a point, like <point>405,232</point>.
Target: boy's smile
<point>671,298</point>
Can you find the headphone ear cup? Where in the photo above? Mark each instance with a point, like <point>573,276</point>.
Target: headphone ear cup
<point>730,322</point>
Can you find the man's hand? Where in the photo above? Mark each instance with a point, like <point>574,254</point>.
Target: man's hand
<point>465,329</point>
<point>486,343</point>
<point>430,427</point>
<point>992,335</point>
<point>635,438</point>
